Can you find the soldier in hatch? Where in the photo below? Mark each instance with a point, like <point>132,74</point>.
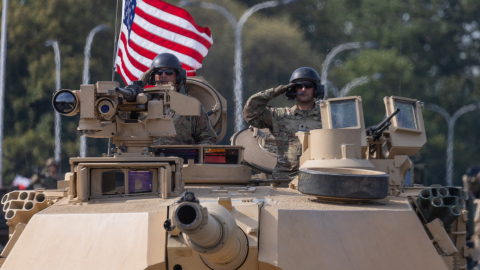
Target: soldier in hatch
<point>166,68</point>
<point>285,122</point>
<point>48,177</point>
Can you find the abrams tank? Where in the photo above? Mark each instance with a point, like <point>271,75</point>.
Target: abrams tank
<point>199,207</point>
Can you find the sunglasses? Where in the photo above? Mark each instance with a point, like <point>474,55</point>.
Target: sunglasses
<point>307,85</point>
<point>168,72</point>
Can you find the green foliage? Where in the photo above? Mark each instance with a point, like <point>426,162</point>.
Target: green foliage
<point>30,76</point>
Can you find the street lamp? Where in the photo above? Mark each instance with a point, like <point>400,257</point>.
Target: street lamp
<point>3,58</point>
<point>86,75</point>
<point>58,121</point>
<point>357,82</point>
<point>237,28</point>
<point>340,48</point>
<point>451,123</point>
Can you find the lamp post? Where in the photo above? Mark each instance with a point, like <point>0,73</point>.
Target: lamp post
<point>357,82</point>
<point>338,49</point>
<point>3,60</point>
<point>237,28</point>
<point>451,124</point>
<point>86,75</point>
<point>58,121</point>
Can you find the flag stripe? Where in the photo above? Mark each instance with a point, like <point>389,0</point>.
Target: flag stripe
<point>126,71</point>
<point>188,68</point>
<point>167,43</point>
<point>119,71</point>
<point>167,35</point>
<point>145,58</point>
<point>126,64</point>
<point>132,60</point>
<point>160,6</point>
<point>145,44</point>
<point>132,52</point>
<point>173,28</point>
<point>141,50</point>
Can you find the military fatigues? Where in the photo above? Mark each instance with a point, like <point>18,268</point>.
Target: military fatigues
<point>283,123</point>
<point>44,180</point>
<point>190,130</point>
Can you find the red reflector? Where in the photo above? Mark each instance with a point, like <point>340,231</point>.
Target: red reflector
<point>215,159</point>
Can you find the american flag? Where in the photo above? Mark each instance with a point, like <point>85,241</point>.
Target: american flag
<point>151,27</point>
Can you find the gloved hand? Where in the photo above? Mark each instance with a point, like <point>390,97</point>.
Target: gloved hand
<point>283,88</point>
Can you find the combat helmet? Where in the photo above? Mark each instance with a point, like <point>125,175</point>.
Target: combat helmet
<point>168,60</point>
<point>306,74</point>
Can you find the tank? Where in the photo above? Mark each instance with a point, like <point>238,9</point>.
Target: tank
<point>201,207</point>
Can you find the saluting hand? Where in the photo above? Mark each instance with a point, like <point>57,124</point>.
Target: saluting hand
<point>283,88</point>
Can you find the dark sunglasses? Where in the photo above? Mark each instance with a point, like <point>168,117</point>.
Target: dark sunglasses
<point>168,72</point>
<point>307,85</point>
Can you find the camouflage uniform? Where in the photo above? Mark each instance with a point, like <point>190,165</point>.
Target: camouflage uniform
<point>190,130</point>
<point>283,123</point>
<point>44,179</point>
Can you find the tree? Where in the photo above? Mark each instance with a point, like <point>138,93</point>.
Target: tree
<point>30,74</point>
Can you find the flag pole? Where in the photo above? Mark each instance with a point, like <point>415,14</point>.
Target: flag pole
<point>113,67</point>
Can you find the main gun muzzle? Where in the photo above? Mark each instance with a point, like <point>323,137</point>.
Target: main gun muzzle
<point>213,233</point>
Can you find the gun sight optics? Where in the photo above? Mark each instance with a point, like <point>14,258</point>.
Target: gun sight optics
<point>65,102</point>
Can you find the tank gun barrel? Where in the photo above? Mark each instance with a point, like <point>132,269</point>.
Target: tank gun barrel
<point>213,232</point>
<point>127,93</point>
<point>194,220</point>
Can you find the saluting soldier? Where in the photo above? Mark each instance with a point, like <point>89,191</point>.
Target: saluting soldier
<point>283,123</point>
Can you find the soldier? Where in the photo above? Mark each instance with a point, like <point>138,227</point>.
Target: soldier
<point>283,123</point>
<point>48,177</point>
<point>166,68</point>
